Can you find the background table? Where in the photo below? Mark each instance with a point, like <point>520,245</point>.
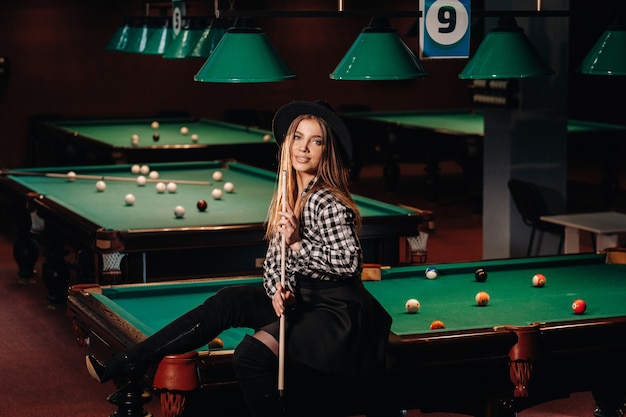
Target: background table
<point>606,225</point>
<point>525,347</point>
<point>433,136</point>
<point>108,141</point>
<point>116,243</point>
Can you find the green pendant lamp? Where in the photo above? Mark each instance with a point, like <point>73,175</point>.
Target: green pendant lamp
<point>244,55</point>
<point>378,53</point>
<point>208,40</point>
<point>137,37</point>
<point>120,38</point>
<point>505,52</point>
<point>186,39</point>
<point>159,36</point>
<point>608,55</point>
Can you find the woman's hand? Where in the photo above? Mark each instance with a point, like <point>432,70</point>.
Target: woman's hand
<point>282,299</point>
<point>289,226</point>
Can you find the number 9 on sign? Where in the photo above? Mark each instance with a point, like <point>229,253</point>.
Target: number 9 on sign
<point>445,28</point>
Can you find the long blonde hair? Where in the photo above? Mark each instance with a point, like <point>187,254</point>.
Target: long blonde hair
<point>332,173</point>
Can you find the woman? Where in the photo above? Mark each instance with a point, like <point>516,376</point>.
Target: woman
<point>333,325</point>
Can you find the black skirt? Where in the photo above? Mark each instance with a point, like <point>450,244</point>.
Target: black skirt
<point>336,327</point>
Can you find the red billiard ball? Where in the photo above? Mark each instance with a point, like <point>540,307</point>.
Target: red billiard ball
<point>156,137</point>
<point>579,306</point>
<point>202,205</point>
<point>437,324</point>
<point>539,280</point>
<point>480,275</point>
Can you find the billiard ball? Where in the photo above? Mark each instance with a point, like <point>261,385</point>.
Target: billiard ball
<point>229,187</point>
<point>156,137</point>
<point>179,211</point>
<point>144,169</point>
<point>194,138</point>
<point>539,280</point>
<point>129,199</point>
<point>160,187</point>
<point>135,169</point>
<point>184,130</point>
<point>579,306</point>
<point>431,272</point>
<point>141,180</point>
<point>267,138</point>
<point>155,125</point>
<point>217,175</point>
<point>153,175</point>
<point>171,187</point>
<point>216,193</point>
<point>101,185</point>
<point>134,139</point>
<point>71,176</point>
<point>480,275</point>
<point>437,324</point>
<point>202,205</point>
<point>482,298</point>
<point>412,306</point>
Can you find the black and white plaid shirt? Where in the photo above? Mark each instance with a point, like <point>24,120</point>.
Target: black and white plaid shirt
<point>329,249</point>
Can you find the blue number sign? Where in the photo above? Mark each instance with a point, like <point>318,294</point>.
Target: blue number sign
<point>445,30</point>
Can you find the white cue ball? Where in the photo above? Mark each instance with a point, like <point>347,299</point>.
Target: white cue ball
<point>129,199</point>
<point>171,187</point>
<point>155,125</point>
<point>412,306</point>
<point>179,211</point>
<point>229,187</point>
<point>71,176</point>
<point>135,169</point>
<point>101,185</point>
<point>194,138</point>
<point>217,175</point>
<point>154,175</point>
<point>216,193</point>
<point>144,169</point>
<point>160,187</point>
<point>134,139</point>
<point>141,180</point>
<point>267,138</point>
<point>184,130</point>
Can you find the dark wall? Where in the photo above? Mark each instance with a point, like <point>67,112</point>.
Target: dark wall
<point>58,65</point>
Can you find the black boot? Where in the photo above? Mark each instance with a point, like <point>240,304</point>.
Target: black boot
<point>182,335</point>
<point>256,367</point>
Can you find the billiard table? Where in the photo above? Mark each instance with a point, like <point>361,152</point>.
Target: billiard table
<point>95,235</point>
<point>525,347</point>
<point>433,136</point>
<point>108,141</point>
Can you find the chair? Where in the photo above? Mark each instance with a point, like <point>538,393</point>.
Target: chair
<point>531,205</point>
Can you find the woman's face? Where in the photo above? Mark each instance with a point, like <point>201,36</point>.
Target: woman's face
<point>307,146</point>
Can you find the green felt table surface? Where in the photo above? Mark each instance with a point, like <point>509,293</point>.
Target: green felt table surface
<point>449,297</point>
<point>463,122</point>
<point>118,132</point>
<point>248,203</point>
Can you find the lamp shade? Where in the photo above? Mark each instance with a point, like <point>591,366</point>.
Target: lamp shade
<point>208,40</point>
<point>244,55</point>
<point>120,38</point>
<point>608,55</point>
<point>505,52</point>
<point>182,44</point>
<point>378,53</point>
<point>159,36</point>
<point>137,37</point>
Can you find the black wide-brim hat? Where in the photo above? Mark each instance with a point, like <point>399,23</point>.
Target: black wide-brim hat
<point>286,114</point>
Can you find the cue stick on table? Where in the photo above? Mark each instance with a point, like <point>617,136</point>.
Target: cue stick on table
<point>97,177</point>
<point>281,335</point>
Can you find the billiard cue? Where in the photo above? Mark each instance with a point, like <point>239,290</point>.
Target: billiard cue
<point>281,334</point>
<point>96,177</point>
